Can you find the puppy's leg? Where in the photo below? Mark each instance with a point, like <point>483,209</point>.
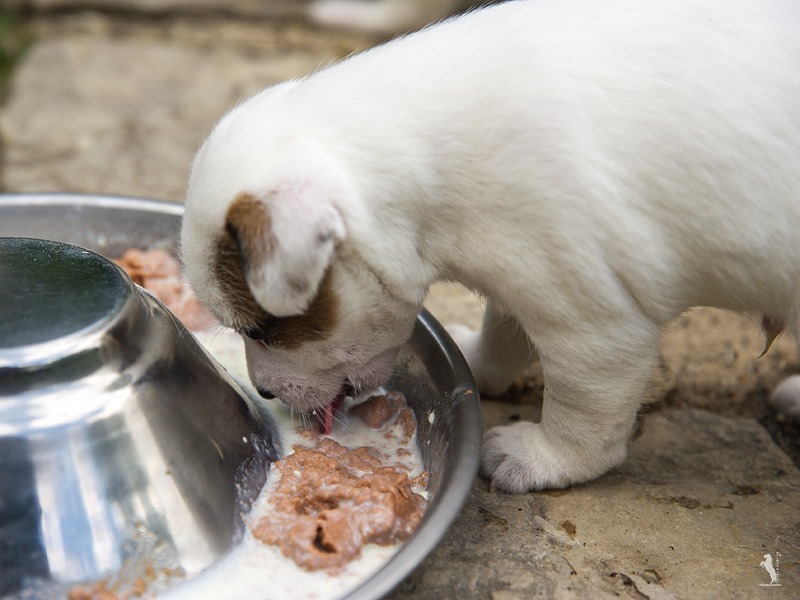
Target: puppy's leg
<point>593,385</point>
<point>497,353</point>
<point>785,398</point>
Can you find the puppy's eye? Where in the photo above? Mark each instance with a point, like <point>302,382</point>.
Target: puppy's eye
<point>255,333</point>
<point>265,393</point>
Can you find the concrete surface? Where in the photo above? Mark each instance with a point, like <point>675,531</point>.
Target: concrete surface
<point>116,97</point>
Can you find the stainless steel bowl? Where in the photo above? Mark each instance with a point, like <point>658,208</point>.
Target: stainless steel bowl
<point>119,436</point>
<point>430,370</point>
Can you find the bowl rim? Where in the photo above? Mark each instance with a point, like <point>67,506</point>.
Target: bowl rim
<point>463,450</point>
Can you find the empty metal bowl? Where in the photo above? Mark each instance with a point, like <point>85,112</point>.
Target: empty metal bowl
<point>123,446</point>
<point>430,370</point>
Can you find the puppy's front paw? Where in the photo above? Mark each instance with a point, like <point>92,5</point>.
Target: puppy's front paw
<point>520,458</point>
<point>516,459</point>
<point>491,379</point>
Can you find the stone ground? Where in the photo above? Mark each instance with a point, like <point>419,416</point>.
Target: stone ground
<point>114,96</point>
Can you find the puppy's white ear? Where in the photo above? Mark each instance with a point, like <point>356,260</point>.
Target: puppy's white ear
<point>286,238</point>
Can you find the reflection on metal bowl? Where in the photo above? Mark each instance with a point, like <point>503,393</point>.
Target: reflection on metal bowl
<point>118,434</point>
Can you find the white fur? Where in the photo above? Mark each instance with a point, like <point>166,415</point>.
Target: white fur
<point>592,168</point>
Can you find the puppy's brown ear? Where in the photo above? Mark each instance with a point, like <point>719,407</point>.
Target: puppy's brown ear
<point>287,239</point>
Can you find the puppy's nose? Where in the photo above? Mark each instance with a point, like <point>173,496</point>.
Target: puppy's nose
<point>265,393</point>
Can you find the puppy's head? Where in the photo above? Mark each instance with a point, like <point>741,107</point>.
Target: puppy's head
<point>271,246</point>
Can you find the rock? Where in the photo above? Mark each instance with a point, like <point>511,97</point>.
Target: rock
<point>94,115</point>
<point>691,514</point>
<point>249,8</point>
<point>711,360</point>
<point>453,303</point>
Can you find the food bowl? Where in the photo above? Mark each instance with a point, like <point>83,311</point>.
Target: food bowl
<point>120,438</point>
<point>430,370</point>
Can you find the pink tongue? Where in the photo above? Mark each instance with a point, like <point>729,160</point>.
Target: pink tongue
<point>325,415</point>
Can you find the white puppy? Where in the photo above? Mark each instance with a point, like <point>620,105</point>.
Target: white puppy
<point>591,168</point>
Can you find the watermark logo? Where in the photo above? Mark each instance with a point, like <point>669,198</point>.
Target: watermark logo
<point>771,567</point>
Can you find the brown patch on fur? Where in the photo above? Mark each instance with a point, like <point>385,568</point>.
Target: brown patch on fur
<point>317,323</point>
<point>249,221</point>
<point>245,220</point>
<point>247,234</point>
